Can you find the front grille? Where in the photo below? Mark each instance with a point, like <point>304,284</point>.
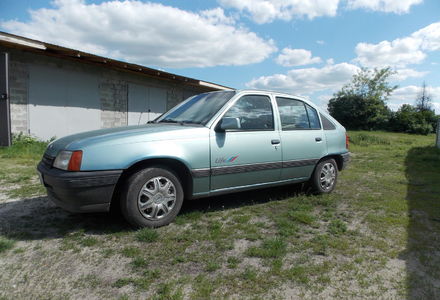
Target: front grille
<point>48,160</point>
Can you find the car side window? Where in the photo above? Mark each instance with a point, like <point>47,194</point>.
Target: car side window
<point>252,112</point>
<point>326,123</point>
<point>313,117</point>
<point>295,114</point>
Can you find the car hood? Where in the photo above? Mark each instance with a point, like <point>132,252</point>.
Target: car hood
<point>128,134</point>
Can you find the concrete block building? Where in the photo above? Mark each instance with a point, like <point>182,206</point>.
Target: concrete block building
<point>54,91</point>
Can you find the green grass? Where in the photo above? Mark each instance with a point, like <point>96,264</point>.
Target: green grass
<point>269,249</point>
<point>212,266</point>
<point>131,251</point>
<point>302,217</point>
<point>337,227</point>
<point>18,173</point>
<point>375,237</point>
<point>233,262</point>
<point>147,235</point>
<point>6,244</point>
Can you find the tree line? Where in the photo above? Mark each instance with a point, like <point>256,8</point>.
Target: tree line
<point>361,105</point>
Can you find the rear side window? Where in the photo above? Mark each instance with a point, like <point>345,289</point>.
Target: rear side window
<point>327,124</point>
<point>296,115</point>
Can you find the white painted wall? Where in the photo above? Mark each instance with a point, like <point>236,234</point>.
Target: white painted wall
<point>62,102</point>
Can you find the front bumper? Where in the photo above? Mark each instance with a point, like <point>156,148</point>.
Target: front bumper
<point>79,191</point>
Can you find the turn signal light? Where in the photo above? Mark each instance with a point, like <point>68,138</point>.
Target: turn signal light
<point>75,161</point>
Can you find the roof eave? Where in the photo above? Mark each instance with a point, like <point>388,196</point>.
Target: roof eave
<point>48,49</point>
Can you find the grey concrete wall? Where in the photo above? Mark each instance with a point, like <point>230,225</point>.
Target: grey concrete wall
<point>19,90</point>
<point>113,91</point>
<point>113,87</point>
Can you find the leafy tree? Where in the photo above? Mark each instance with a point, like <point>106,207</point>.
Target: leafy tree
<point>424,107</point>
<point>409,119</point>
<point>361,104</point>
<point>423,101</point>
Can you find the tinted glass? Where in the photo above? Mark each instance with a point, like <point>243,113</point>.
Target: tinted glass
<point>313,117</point>
<point>293,114</point>
<point>253,112</point>
<point>327,124</point>
<point>198,109</point>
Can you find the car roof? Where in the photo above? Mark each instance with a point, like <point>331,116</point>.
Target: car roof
<point>275,93</point>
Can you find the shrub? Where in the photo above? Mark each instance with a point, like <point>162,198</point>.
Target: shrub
<point>5,244</point>
<point>408,119</point>
<point>24,146</point>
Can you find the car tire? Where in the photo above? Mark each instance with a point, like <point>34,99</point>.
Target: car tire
<point>151,197</point>
<point>324,177</point>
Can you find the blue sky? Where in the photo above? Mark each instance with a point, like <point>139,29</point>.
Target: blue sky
<point>305,47</point>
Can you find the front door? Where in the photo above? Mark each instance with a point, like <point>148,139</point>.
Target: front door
<point>249,154</point>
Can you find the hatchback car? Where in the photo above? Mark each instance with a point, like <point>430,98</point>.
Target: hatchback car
<point>210,144</point>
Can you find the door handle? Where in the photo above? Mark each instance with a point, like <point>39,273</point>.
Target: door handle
<point>318,139</point>
<point>275,142</point>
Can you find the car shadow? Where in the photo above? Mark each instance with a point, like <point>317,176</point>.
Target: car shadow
<point>240,199</point>
<point>38,218</point>
<point>422,255</point>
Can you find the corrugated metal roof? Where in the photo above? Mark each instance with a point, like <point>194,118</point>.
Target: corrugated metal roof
<point>20,42</point>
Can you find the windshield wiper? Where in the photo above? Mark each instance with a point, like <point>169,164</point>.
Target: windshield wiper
<point>184,122</point>
<point>170,121</point>
<point>191,122</point>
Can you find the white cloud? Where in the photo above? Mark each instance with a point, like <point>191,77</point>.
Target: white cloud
<point>145,33</point>
<point>320,42</point>
<point>396,106</point>
<point>429,36</point>
<point>403,74</point>
<point>307,80</point>
<point>408,94</point>
<point>389,6</point>
<point>400,52</point>
<point>296,57</point>
<point>397,53</point>
<point>266,11</point>
<point>436,106</point>
<point>322,100</point>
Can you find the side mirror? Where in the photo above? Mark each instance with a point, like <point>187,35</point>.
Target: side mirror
<point>228,123</point>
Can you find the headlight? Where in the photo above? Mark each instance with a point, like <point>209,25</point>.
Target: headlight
<point>68,160</point>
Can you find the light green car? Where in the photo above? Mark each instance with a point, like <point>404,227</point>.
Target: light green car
<point>210,144</point>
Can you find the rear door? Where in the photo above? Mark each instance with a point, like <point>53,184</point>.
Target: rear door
<point>303,141</point>
<point>251,154</point>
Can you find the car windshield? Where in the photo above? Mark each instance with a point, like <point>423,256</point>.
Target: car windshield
<point>198,109</point>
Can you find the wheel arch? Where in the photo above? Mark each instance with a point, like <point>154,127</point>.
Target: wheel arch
<point>337,157</point>
<point>180,169</point>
